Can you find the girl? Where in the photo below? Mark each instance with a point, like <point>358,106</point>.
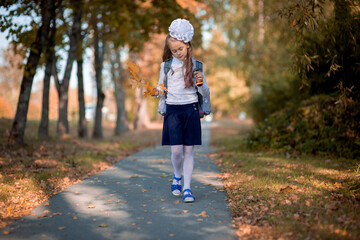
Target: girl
<point>181,127</point>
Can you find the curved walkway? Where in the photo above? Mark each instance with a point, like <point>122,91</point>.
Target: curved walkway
<point>132,200</point>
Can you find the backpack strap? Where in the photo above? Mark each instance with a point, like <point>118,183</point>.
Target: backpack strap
<point>167,68</point>
<point>198,66</point>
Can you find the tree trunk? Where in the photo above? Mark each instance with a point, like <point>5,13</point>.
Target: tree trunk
<point>82,126</point>
<point>98,61</point>
<point>142,118</point>
<point>121,118</point>
<point>261,21</point>
<point>63,123</point>
<point>43,131</point>
<point>19,123</point>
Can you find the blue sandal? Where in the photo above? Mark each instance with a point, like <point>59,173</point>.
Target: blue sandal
<point>176,188</point>
<point>188,197</point>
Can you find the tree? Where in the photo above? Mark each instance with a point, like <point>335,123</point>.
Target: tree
<point>63,86</point>
<point>118,77</point>
<point>43,131</point>
<point>99,49</point>
<point>82,125</point>
<point>10,77</point>
<point>47,8</point>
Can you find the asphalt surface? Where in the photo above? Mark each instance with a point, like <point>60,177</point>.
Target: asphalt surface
<point>132,200</point>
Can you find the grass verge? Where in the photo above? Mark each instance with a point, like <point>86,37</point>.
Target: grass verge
<point>274,196</point>
<point>31,174</point>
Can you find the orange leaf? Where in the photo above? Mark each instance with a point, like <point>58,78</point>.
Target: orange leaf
<point>163,87</point>
<point>146,93</point>
<point>133,67</point>
<point>153,91</point>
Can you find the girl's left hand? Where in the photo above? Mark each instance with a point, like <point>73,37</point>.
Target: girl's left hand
<point>199,76</point>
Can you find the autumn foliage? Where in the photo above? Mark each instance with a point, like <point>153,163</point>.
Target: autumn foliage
<point>137,81</point>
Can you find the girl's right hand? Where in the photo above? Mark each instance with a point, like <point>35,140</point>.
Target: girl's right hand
<point>154,92</point>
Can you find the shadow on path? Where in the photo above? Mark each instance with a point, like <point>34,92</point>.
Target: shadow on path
<point>132,200</point>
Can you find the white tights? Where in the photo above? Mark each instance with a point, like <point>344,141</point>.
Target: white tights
<point>177,151</point>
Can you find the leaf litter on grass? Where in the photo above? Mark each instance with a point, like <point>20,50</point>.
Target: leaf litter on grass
<point>276,197</point>
<point>30,175</point>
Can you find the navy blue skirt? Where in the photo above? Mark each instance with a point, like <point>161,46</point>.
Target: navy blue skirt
<point>182,125</point>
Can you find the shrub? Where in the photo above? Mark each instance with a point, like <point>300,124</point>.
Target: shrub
<point>318,125</point>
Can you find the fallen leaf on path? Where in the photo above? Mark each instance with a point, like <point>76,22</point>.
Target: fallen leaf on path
<point>135,176</point>
<point>43,216</point>
<point>176,202</point>
<point>202,214</point>
<point>171,235</point>
<point>61,228</point>
<point>91,206</point>
<point>185,211</point>
<point>6,232</point>
<point>103,225</point>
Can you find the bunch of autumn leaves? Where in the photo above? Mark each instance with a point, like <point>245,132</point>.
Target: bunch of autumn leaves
<point>137,81</point>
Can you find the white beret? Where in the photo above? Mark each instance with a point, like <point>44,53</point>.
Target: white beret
<point>182,30</point>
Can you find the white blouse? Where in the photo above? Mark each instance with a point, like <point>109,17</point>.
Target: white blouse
<point>177,94</point>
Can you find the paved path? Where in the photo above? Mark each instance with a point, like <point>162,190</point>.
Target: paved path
<point>132,200</point>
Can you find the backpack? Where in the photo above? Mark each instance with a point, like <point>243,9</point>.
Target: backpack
<point>204,102</point>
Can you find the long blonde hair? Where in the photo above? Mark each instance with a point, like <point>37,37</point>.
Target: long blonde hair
<point>188,64</point>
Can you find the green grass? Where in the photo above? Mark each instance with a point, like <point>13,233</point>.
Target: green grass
<point>276,196</point>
